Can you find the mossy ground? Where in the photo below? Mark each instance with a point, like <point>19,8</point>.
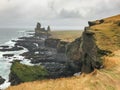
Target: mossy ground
<point>28,73</point>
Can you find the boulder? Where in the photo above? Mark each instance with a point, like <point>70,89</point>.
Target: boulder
<point>92,23</point>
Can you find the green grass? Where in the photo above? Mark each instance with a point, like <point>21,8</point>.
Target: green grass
<point>28,73</point>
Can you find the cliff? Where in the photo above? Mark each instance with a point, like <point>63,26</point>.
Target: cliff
<point>101,38</point>
<point>85,51</point>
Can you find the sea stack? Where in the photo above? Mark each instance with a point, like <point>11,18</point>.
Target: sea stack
<point>48,29</point>
<point>39,29</point>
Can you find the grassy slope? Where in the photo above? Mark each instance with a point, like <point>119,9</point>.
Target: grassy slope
<point>68,36</point>
<point>28,73</point>
<point>104,79</point>
<point>108,34</point>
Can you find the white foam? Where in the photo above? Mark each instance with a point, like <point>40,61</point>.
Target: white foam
<point>5,85</point>
<point>5,63</point>
<point>26,62</point>
<point>9,43</point>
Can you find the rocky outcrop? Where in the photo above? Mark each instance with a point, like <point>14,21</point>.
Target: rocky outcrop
<point>118,22</point>
<point>89,54</point>
<point>41,30</point>
<point>1,80</point>
<point>14,79</point>
<point>92,23</point>
<point>8,55</point>
<point>73,50</point>
<point>61,47</point>
<point>50,42</point>
<point>48,29</point>
<point>15,48</point>
<point>85,51</point>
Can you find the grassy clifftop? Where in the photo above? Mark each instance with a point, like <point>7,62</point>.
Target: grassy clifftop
<point>107,33</point>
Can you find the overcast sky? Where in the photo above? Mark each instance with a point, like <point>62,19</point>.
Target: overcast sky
<point>70,13</point>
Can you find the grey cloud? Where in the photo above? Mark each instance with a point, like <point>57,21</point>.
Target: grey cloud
<point>58,12</point>
<point>69,14</point>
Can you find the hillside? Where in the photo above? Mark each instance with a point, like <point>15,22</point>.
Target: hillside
<point>107,38</point>
<point>108,33</point>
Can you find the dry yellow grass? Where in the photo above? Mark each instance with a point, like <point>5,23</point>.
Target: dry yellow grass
<point>68,36</point>
<point>108,34</point>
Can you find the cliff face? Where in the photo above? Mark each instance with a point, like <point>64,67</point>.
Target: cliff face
<point>85,51</point>
<point>102,37</point>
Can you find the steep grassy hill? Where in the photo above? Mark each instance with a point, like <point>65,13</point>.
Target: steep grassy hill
<point>108,33</point>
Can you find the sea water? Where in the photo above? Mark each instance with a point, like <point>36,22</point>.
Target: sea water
<point>6,35</point>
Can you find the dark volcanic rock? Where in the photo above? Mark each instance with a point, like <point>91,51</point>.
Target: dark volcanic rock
<point>61,47</point>
<point>48,29</point>
<point>1,80</point>
<point>87,28</point>
<point>4,46</point>
<point>39,30</point>
<point>92,23</point>
<point>15,48</point>
<point>8,55</point>
<point>118,23</point>
<point>13,78</point>
<point>50,42</point>
<point>85,51</point>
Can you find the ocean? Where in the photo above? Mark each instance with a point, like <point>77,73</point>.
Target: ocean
<point>6,35</point>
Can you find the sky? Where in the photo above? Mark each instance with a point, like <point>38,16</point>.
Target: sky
<point>56,13</point>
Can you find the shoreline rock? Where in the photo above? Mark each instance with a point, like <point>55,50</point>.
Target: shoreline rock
<point>8,55</point>
<point>15,48</point>
<point>1,80</point>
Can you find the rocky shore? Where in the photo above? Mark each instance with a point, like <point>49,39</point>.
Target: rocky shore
<point>1,80</point>
<point>43,51</point>
<point>58,58</point>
